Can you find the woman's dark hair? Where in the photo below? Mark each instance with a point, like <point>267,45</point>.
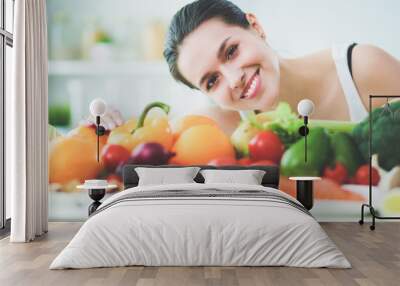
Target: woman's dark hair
<point>188,18</point>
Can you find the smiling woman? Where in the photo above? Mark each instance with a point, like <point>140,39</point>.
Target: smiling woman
<point>242,73</point>
<point>213,46</point>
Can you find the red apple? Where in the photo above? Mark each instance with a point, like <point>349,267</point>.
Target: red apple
<point>112,155</point>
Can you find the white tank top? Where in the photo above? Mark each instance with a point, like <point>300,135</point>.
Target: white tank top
<point>354,103</point>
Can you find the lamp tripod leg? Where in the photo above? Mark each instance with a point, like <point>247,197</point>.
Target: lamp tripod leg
<point>361,221</point>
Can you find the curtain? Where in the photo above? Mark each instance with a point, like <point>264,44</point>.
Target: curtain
<point>27,120</point>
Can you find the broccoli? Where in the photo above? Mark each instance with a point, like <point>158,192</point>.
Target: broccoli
<point>284,123</point>
<point>385,136</point>
<point>287,136</point>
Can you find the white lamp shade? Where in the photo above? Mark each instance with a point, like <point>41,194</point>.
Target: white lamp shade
<point>305,107</point>
<point>98,107</point>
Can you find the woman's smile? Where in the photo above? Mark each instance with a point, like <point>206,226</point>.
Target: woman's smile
<point>252,87</point>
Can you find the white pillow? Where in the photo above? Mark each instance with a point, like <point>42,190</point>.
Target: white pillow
<point>162,176</point>
<point>248,177</point>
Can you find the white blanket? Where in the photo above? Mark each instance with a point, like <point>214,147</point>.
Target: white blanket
<point>182,231</point>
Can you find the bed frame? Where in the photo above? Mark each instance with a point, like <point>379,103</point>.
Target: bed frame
<point>270,179</point>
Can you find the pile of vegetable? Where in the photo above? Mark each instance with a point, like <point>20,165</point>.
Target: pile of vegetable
<point>386,136</point>
<point>336,150</point>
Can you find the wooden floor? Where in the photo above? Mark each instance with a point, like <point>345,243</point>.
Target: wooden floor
<point>375,257</point>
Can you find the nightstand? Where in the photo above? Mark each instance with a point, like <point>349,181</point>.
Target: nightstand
<point>96,193</point>
<point>304,190</point>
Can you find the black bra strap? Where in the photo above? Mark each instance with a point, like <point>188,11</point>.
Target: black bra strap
<point>349,53</point>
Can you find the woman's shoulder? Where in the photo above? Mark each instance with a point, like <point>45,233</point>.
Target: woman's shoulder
<point>372,62</point>
<point>375,71</point>
<point>370,56</point>
<point>362,51</point>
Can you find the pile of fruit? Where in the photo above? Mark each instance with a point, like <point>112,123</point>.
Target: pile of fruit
<point>335,149</point>
<point>150,140</point>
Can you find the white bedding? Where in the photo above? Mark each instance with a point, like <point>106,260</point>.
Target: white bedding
<point>227,231</point>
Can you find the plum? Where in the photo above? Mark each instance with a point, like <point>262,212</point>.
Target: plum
<point>150,153</point>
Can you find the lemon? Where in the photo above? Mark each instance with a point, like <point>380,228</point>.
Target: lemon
<point>391,202</point>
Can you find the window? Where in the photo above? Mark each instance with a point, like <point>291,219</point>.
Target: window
<point>6,43</point>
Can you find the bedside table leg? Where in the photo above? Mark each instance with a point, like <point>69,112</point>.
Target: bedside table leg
<point>93,207</point>
<point>96,195</point>
<point>305,193</point>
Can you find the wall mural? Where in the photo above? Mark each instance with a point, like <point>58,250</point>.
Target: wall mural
<point>152,119</point>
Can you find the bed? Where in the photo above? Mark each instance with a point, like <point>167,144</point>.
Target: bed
<point>198,224</point>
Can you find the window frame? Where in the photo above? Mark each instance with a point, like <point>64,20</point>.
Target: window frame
<point>6,39</point>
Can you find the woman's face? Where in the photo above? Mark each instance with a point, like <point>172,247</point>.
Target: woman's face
<point>233,65</point>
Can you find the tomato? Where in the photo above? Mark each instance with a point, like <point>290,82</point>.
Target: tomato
<point>362,176</point>
<point>266,145</point>
<point>245,161</point>
<point>223,161</point>
<point>114,178</point>
<point>112,155</point>
<point>263,163</point>
<point>338,173</point>
<point>351,181</point>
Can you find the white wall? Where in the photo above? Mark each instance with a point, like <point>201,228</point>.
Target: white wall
<point>299,27</point>
<point>293,28</point>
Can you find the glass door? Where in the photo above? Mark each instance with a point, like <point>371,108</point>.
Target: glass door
<point>2,195</point>
<point>6,43</point>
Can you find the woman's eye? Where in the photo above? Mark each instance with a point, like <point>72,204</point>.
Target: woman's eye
<point>211,82</point>
<point>230,52</point>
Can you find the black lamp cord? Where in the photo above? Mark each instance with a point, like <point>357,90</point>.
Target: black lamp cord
<point>305,138</point>
<point>98,135</point>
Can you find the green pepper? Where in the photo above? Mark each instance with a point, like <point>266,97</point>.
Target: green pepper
<point>319,154</point>
<point>346,152</point>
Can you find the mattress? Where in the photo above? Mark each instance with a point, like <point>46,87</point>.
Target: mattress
<point>201,225</point>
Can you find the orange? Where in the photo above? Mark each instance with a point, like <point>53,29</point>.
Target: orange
<point>73,158</point>
<point>188,121</point>
<point>200,144</point>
